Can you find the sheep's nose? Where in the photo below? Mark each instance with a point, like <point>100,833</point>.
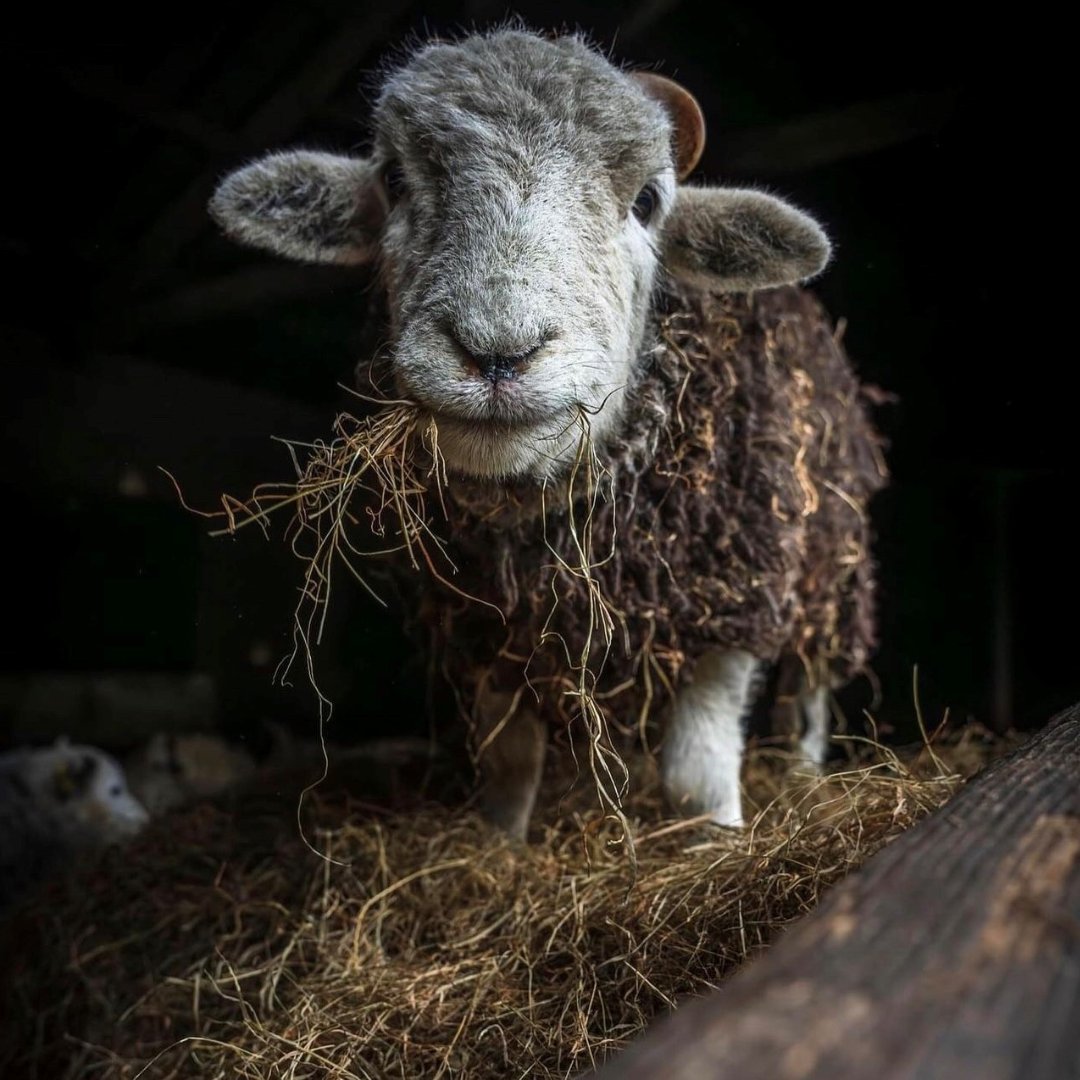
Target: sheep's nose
<point>496,367</point>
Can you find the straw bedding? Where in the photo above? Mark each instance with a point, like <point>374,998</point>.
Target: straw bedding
<point>732,513</point>
<point>218,945</point>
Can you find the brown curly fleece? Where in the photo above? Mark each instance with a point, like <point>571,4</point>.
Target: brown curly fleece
<point>732,514</point>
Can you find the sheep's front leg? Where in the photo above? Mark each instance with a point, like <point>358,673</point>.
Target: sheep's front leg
<point>814,745</point>
<point>703,749</point>
<point>510,745</point>
<point>801,716</point>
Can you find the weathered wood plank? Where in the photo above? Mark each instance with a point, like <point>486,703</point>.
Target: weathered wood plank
<point>955,952</point>
<point>113,710</point>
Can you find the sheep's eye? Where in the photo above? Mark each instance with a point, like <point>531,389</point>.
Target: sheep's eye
<point>116,791</point>
<point>645,204</point>
<point>394,182</point>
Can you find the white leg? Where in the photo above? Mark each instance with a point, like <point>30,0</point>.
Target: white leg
<point>814,744</point>
<point>704,746</point>
<point>511,745</point>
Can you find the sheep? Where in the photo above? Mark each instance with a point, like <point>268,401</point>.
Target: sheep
<point>545,266</point>
<point>56,804</point>
<point>169,771</point>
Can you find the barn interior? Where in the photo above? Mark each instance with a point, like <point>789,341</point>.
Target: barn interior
<point>146,355</point>
<point>139,339</point>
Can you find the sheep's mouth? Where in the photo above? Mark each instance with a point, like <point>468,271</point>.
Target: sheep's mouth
<point>494,415</point>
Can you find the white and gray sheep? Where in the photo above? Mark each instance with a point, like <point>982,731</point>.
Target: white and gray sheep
<point>542,260</point>
<point>58,804</point>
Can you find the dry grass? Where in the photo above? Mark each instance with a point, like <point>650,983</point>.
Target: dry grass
<point>587,484</point>
<point>376,490</point>
<point>370,481</point>
<point>220,947</point>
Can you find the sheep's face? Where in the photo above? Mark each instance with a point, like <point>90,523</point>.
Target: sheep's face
<point>526,181</point>
<point>84,792</point>
<point>520,197</point>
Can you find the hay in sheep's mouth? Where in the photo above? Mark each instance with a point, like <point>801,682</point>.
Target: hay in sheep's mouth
<point>217,946</point>
<point>373,461</point>
<point>381,477</point>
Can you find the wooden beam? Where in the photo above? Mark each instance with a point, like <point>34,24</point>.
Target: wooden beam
<point>113,710</point>
<point>955,952</point>
<point>104,427</point>
<point>225,85</point>
<point>101,85</point>
<point>643,16</point>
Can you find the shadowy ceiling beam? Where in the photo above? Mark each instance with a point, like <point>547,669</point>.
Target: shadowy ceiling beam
<point>213,298</point>
<point>102,86</point>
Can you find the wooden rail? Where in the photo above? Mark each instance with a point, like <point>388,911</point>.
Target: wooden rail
<point>953,954</point>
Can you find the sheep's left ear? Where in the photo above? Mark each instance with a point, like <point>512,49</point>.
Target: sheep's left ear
<point>734,240</point>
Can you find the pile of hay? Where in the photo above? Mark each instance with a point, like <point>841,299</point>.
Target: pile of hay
<point>220,946</point>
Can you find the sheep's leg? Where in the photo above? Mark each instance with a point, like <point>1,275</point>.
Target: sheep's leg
<point>814,744</point>
<point>704,747</point>
<point>511,742</point>
<point>785,715</point>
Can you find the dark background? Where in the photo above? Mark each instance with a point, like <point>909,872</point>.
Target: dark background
<point>134,336</point>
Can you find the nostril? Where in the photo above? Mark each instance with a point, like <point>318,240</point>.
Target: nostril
<point>497,367</point>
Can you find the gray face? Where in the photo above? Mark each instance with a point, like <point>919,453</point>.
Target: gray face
<point>520,197</point>
<point>518,271</point>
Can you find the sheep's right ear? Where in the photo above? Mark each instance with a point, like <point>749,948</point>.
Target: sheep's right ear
<point>686,116</point>
<point>308,206</point>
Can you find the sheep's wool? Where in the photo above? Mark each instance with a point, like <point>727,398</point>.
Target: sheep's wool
<point>732,513</point>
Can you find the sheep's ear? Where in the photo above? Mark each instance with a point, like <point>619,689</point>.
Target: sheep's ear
<point>685,114</point>
<point>308,206</point>
<point>73,777</point>
<point>63,784</point>
<point>734,240</point>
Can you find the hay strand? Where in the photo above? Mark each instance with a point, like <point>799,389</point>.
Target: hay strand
<point>378,471</point>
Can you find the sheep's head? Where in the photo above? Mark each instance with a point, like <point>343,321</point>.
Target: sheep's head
<point>521,195</point>
<point>83,792</point>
